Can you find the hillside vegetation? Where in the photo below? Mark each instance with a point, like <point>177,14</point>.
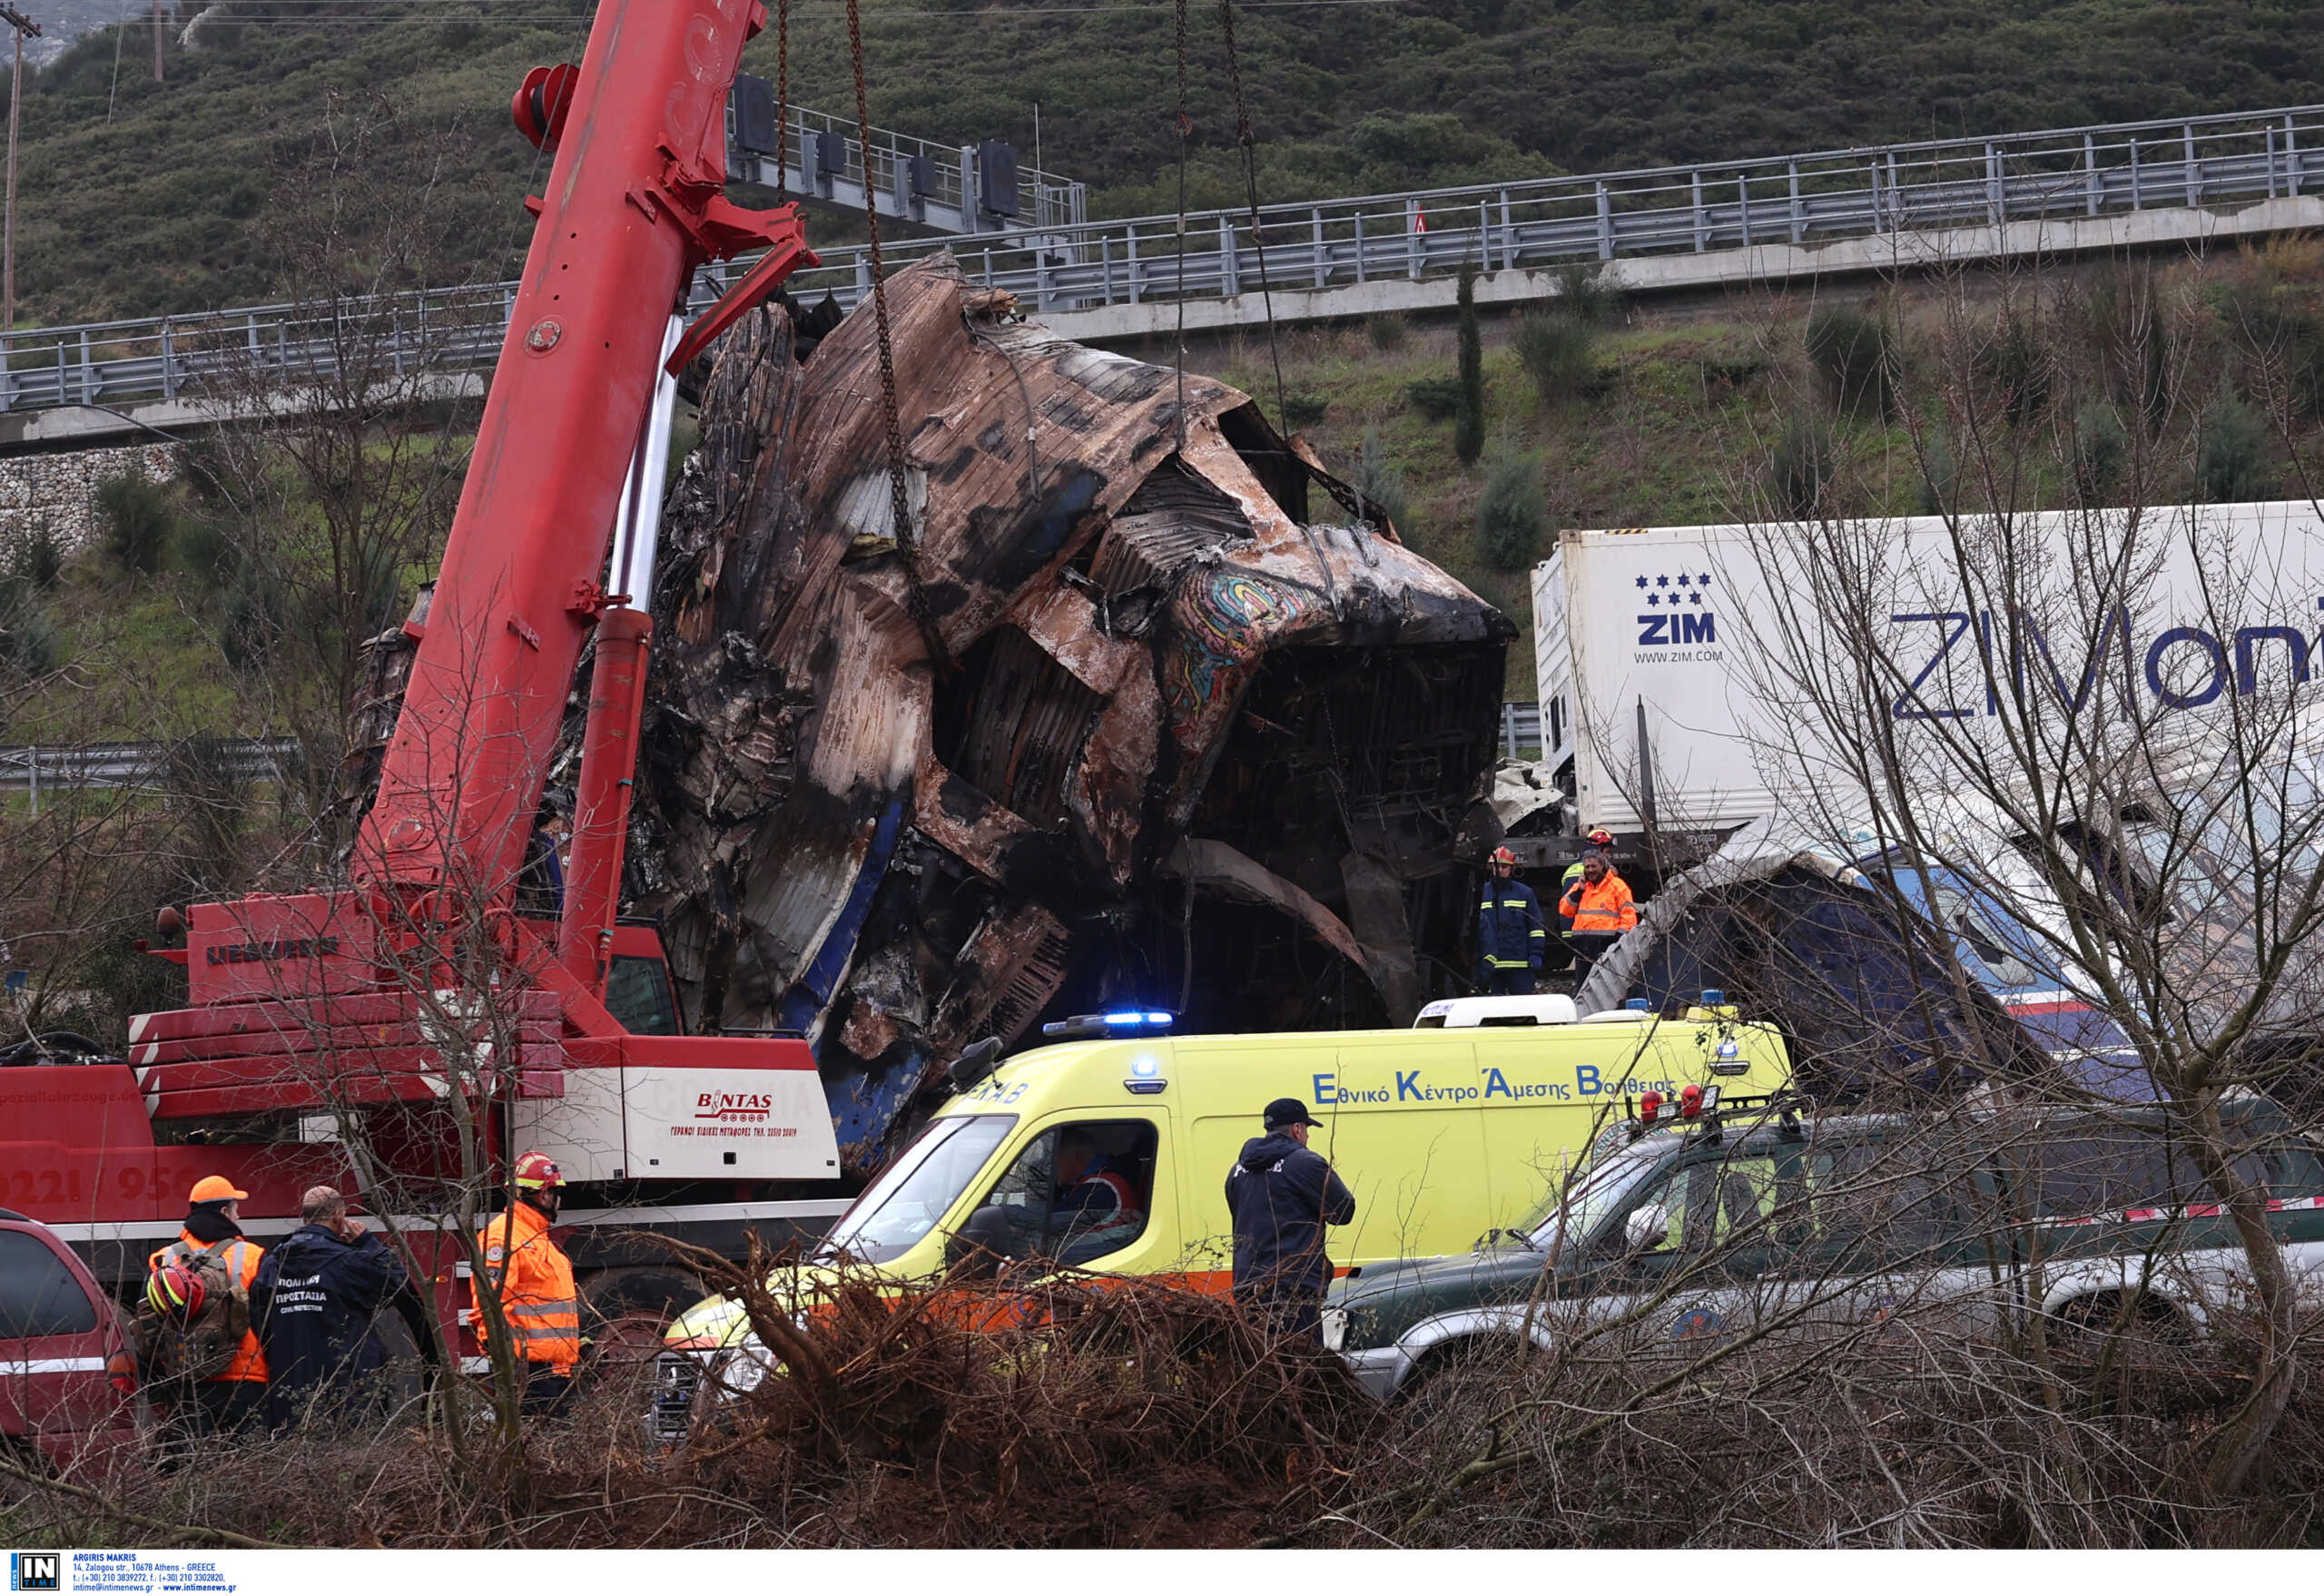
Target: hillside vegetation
<point>141,197</point>
<point>2110,383</point>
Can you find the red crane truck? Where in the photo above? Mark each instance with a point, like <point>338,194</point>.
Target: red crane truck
<point>404,1037</point>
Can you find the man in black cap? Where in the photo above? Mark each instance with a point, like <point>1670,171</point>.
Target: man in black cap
<point>1281,1196</point>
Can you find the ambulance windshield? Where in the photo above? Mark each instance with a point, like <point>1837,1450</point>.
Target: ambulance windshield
<point>913,1193</point>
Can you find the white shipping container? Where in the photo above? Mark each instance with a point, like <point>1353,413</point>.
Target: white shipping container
<point>1696,637</point>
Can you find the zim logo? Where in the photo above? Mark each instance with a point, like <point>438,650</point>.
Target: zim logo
<point>1683,600</point>
<point>35,1570</point>
<point>730,1107</point>
<point>1669,631</point>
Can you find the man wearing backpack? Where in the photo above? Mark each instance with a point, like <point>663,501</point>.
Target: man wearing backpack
<point>229,1399</point>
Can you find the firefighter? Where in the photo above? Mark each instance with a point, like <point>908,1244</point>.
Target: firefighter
<point>1596,909</point>
<point>230,1401</point>
<point>534,1282</point>
<point>1511,935</point>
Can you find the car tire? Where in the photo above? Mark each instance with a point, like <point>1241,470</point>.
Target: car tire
<point>1453,1374</point>
<point>624,1311</point>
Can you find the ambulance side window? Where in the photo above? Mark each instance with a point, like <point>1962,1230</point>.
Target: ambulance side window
<point>1076,1193</point>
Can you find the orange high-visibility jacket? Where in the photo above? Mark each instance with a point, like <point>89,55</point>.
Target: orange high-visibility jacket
<point>534,1281</point>
<point>241,1262</point>
<point>1599,910</point>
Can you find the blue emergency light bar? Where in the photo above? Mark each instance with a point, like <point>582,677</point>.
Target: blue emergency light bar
<point>1119,1022</point>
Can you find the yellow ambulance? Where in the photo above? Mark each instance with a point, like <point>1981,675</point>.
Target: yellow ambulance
<point>1443,1132</point>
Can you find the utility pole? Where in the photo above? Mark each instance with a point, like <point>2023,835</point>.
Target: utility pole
<point>157,41</point>
<point>23,24</point>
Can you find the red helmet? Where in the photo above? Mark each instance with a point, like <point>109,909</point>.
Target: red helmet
<point>538,1172</point>
<point>176,1292</point>
<point>1504,856</point>
<point>1602,838</point>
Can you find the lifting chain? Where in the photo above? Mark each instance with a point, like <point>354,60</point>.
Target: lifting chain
<point>1251,181</point>
<point>782,100</point>
<point>899,493</point>
<point>1185,129</point>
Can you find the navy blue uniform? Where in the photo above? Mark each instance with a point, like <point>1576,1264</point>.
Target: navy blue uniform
<point>314,1304</point>
<point>1511,937</point>
<point>1281,1196</point>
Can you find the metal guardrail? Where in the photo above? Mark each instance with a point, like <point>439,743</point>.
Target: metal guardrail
<point>35,768</point>
<point>911,179</point>
<point>1520,728</point>
<point>2058,175</point>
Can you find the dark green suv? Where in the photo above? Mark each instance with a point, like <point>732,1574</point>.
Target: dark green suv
<point>1770,1219</point>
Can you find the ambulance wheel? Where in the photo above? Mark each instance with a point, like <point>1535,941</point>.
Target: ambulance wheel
<point>624,1311</point>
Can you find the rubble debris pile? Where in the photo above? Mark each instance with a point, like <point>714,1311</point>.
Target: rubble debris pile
<point>1111,721</point>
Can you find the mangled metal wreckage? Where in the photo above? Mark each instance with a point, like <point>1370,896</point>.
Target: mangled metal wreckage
<point>1114,720</point>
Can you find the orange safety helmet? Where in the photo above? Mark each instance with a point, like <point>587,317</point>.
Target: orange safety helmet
<point>538,1172</point>
<point>1504,856</point>
<point>176,1292</point>
<point>215,1188</point>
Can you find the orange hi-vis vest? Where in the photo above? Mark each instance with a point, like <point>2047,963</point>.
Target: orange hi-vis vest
<point>241,1262</point>
<point>1599,909</point>
<point>534,1281</point>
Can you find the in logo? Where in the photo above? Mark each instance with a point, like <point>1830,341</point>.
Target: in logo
<point>35,1570</point>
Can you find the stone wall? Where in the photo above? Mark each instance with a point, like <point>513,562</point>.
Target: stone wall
<point>61,490</point>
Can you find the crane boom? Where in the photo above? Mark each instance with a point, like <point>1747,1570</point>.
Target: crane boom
<point>633,206</point>
<point>425,980</point>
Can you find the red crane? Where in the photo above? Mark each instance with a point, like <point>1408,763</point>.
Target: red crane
<point>308,1010</point>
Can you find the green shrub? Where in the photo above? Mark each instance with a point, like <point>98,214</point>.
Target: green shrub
<point>1560,354</point>
<point>207,552</point>
<point>1387,332</point>
<point>138,520</point>
<point>202,467</point>
<point>38,558</point>
<point>2100,448</point>
<point>29,643</point>
<point>1436,397</point>
<point>2234,463</point>
<point>1512,513</point>
<point>1800,471</point>
<point>1379,484</point>
<point>1587,295</point>
<point>1733,370</point>
<point>2016,367</point>
<point>1940,479</point>
<point>1853,353</point>
<point>253,618</point>
<point>1469,421</point>
<point>1304,409</point>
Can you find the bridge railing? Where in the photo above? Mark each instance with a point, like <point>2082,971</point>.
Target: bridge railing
<point>2215,162</point>
<point>942,183</point>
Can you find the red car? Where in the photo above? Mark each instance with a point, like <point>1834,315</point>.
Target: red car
<point>68,1381</point>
